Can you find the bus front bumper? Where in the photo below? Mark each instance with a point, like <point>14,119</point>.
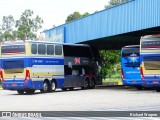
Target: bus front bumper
<point>151,83</point>
<point>137,82</point>
<point>17,85</point>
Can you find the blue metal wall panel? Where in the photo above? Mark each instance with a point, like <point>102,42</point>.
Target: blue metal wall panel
<point>127,17</point>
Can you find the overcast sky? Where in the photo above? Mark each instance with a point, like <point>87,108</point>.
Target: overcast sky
<point>53,12</point>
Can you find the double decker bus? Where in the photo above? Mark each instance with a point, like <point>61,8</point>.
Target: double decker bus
<point>27,66</point>
<point>150,61</point>
<point>130,63</point>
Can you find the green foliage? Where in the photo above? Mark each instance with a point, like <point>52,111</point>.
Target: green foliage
<point>85,14</point>
<point>110,61</point>
<point>112,3</point>
<point>8,23</point>
<point>24,28</point>
<point>27,25</point>
<point>1,36</point>
<point>75,16</point>
<point>7,27</point>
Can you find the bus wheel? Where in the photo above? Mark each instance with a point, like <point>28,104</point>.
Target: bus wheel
<point>86,84</point>
<point>45,87</point>
<point>20,92</point>
<point>52,87</point>
<point>30,91</point>
<point>92,83</point>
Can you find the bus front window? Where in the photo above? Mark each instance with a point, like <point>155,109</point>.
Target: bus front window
<point>131,57</point>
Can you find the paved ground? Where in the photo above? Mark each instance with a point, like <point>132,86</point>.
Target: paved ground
<point>99,99</point>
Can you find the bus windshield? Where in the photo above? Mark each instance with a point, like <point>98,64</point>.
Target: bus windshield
<point>151,63</point>
<point>13,66</point>
<point>150,43</point>
<point>131,57</point>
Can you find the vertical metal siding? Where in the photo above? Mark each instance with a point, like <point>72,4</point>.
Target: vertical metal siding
<point>130,16</point>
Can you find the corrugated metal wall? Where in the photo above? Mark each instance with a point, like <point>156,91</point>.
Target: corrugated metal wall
<point>128,17</point>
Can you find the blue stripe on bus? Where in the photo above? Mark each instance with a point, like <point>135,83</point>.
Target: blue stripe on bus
<point>29,62</point>
<point>151,58</point>
<point>47,61</point>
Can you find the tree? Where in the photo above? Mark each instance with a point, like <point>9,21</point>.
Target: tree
<point>112,3</point>
<point>75,16</point>
<point>109,60</point>
<point>7,27</point>
<point>85,14</point>
<point>7,23</point>
<point>27,26</point>
<point>1,36</point>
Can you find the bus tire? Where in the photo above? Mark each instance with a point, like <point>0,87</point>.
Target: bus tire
<point>86,84</point>
<point>20,92</point>
<point>45,87</point>
<point>52,86</point>
<point>30,91</point>
<point>92,83</point>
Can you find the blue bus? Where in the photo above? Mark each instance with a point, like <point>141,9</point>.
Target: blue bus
<point>26,66</point>
<point>130,65</point>
<point>150,61</point>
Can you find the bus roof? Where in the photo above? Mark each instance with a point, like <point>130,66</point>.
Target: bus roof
<point>151,36</point>
<point>31,41</point>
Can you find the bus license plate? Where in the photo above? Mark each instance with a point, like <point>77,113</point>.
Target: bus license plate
<point>14,84</point>
<point>134,81</point>
<point>155,82</point>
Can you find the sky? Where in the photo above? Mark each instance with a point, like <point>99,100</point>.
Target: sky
<point>53,12</point>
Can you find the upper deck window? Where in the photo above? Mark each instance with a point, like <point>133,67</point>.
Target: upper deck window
<point>42,49</point>
<point>50,49</point>
<point>34,48</point>
<point>13,49</point>
<point>58,50</point>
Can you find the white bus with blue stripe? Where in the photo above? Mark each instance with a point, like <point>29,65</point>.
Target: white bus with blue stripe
<point>27,66</point>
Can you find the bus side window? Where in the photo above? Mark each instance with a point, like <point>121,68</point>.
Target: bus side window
<point>34,48</point>
<point>58,50</point>
<point>41,49</point>
<point>50,50</point>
